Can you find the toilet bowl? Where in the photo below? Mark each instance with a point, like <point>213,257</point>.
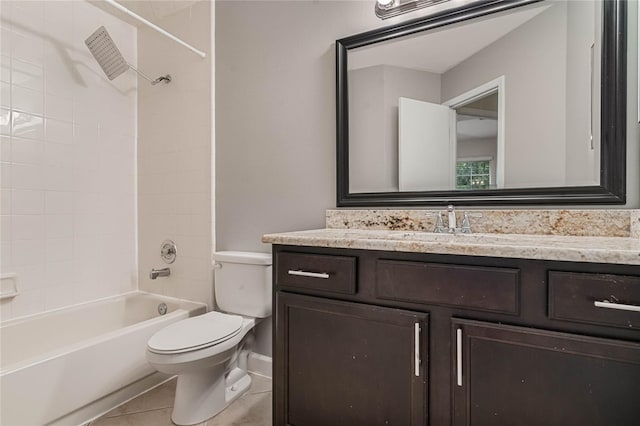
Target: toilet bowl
<point>209,352</point>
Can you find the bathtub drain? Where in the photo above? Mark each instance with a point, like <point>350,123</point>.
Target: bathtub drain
<point>162,308</point>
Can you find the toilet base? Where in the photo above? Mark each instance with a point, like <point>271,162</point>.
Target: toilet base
<point>203,394</point>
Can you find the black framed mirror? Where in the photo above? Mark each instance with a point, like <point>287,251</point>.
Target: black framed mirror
<point>491,177</point>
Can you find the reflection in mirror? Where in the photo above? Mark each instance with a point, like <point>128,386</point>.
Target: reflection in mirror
<point>507,100</point>
<point>477,143</point>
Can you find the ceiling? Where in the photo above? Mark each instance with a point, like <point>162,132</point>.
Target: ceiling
<point>151,10</point>
<point>440,50</point>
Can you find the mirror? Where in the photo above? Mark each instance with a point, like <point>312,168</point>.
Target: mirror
<point>484,104</point>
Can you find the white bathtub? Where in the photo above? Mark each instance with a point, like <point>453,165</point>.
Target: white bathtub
<point>68,366</point>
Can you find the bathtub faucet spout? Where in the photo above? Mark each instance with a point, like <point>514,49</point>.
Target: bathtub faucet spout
<point>155,273</point>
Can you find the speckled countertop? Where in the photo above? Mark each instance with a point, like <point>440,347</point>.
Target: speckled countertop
<point>599,236</point>
<point>618,250</point>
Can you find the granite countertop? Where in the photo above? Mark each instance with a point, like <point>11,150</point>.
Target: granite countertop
<point>617,250</point>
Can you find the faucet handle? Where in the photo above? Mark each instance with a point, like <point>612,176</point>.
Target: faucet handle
<point>439,224</point>
<point>466,224</point>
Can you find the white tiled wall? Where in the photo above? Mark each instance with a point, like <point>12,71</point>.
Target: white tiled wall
<point>68,157</point>
<point>174,156</point>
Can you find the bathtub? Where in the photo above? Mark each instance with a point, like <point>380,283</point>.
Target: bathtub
<point>68,366</point>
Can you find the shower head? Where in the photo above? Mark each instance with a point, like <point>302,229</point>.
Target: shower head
<point>108,56</point>
<point>106,53</point>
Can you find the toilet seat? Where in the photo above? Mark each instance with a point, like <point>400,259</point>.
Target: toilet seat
<point>195,333</point>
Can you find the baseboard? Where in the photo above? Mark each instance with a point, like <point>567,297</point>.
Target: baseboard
<point>260,364</point>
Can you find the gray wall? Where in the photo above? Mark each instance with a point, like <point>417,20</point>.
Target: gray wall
<point>373,116</point>
<point>275,115</point>
<point>367,137</point>
<point>582,162</point>
<point>534,66</point>
<point>633,127</point>
<point>275,118</point>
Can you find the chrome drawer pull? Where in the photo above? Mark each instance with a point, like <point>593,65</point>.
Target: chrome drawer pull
<point>323,275</point>
<point>619,306</point>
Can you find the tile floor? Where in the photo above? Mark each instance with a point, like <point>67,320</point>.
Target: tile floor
<point>154,408</point>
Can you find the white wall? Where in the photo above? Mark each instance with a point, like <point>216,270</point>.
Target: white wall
<point>68,160</point>
<point>174,156</point>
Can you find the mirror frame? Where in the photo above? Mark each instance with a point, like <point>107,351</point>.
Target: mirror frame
<point>613,113</point>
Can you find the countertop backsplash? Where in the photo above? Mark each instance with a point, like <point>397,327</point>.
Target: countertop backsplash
<point>562,222</point>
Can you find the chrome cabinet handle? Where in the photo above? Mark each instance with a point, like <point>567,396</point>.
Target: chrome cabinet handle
<point>459,356</point>
<point>323,275</point>
<point>619,306</point>
<point>416,350</point>
<point>591,65</point>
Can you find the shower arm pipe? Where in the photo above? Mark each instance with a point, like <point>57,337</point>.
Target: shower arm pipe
<point>165,78</point>
<point>153,26</point>
<point>140,73</point>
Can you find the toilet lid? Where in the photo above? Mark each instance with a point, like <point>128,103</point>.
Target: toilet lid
<point>195,333</point>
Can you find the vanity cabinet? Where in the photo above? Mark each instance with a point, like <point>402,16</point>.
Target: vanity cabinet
<point>507,375</point>
<point>348,363</point>
<point>365,337</point>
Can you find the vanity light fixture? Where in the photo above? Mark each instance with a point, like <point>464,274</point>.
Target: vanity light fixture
<point>388,8</point>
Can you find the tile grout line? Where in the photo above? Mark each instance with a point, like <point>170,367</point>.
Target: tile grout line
<point>137,412</point>
<point>257,393</point>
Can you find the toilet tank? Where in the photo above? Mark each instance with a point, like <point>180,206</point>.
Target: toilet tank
<point>243,283</point>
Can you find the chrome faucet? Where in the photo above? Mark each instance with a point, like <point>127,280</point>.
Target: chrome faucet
<point>155,273</point>
<point>452,227</point>
<point>451,219</point>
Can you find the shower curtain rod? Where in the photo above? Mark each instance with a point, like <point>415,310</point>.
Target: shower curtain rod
<point>151,25</point>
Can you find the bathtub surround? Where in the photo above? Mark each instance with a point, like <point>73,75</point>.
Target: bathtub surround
<point>596,223</point>
<point>174,155</point>
<point>68,158</point>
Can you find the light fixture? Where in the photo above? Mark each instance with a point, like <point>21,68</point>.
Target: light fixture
<point>385,4</point>
<point>388,8</point>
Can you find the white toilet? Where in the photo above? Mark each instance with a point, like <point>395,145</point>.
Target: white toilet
<point>209,352</point>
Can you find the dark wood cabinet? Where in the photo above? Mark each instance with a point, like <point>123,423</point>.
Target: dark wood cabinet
<point>349,364</point>
<point>510,376</point>
<point>501,341</point>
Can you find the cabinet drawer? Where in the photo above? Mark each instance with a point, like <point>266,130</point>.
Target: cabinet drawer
<point>573,297</point>
<point>481,288</point>
<point>335,274</point>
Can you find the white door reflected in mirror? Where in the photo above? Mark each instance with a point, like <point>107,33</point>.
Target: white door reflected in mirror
<point>426,148</point>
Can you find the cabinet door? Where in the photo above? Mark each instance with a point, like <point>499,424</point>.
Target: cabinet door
<point>341,363</point>
<point>504,375</point>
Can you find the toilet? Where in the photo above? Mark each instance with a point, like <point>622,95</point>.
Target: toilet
<point>209,352</point>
